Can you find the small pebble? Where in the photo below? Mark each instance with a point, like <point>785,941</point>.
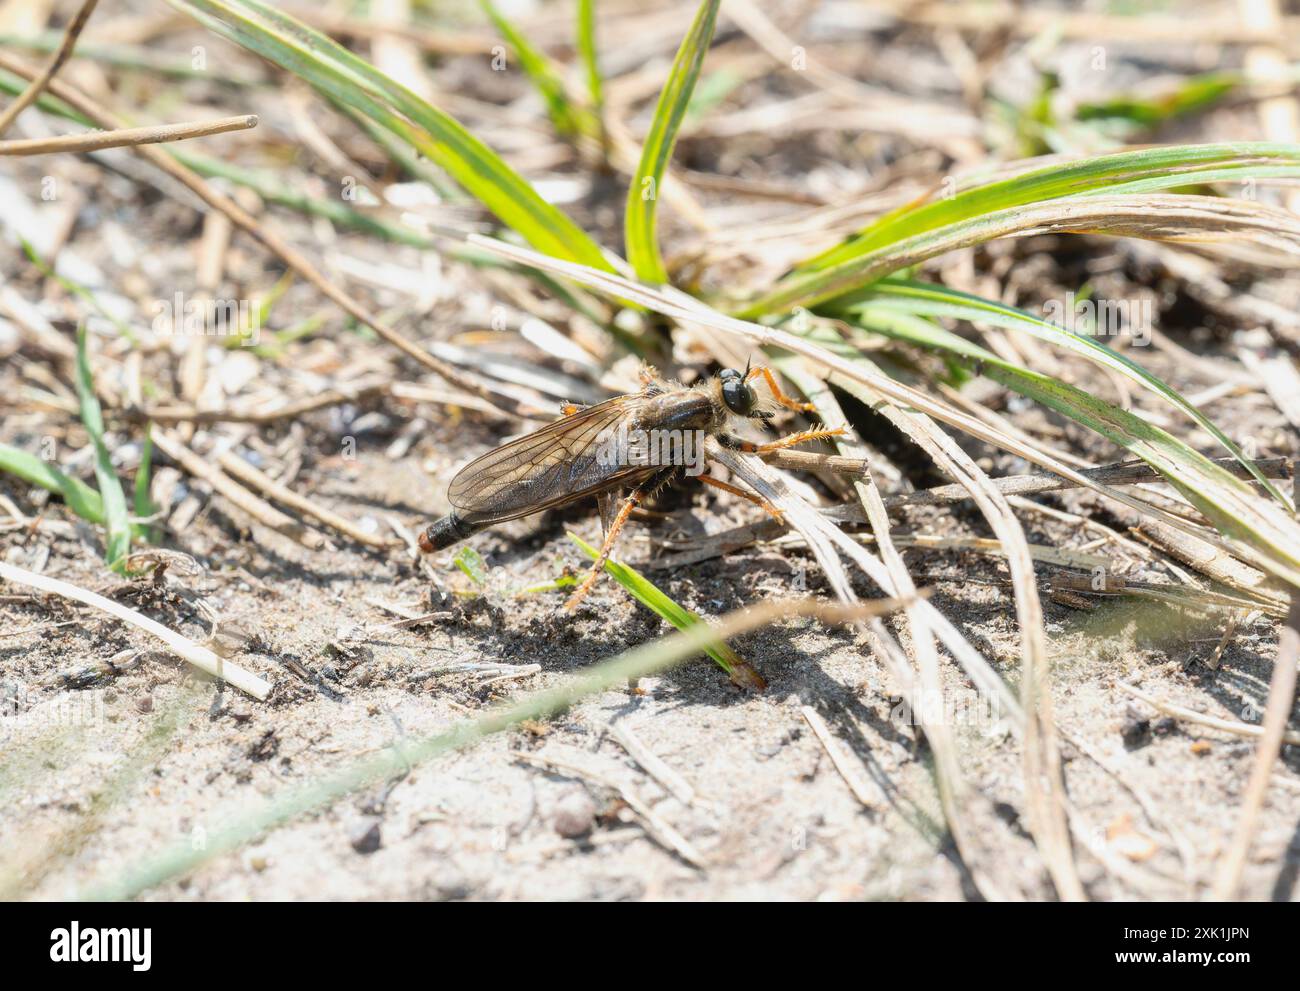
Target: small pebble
<point>1136,730</point>
<point>366,837</point>
<point>575,815</point>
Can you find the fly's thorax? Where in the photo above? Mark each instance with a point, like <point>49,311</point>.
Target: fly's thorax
<point>668,430</point>
<point>682,409</point>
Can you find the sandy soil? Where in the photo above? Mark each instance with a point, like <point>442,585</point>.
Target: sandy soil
<point>102,770</point>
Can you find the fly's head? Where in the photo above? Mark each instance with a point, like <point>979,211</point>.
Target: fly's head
<point>739,395</point>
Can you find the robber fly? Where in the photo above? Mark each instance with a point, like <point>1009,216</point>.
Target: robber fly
<point>568,459</point>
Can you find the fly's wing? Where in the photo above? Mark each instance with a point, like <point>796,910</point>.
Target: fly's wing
<point>558,464</point>
<point>607,505</point>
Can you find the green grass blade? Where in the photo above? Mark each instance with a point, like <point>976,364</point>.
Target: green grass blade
<point>641,218</point>
<point>657,600</point>
<point>342,76</point>
<point>404,156</point>
<point>76,494</point>
<point>1260,530</point>
<point>590,64</point>
<point>144,507</point>
<point>1117,212</point>
<point>116,519</point>
<point>1238,175</point>
<point>1191,95</point>
<point>925,299</point>
<point>472,564</point>
<point>1157,168</point>
<point>569,120</point>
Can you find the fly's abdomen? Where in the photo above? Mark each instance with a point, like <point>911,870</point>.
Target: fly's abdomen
<point>449,530</point>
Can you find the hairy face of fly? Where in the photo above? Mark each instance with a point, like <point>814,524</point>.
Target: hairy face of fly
<point>739,396</point>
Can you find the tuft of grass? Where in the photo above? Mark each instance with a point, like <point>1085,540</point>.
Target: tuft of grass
<point>344,77</point>
<point>641,216</point>
<point>650,595</point>
<point>1261,530</point>
<point>930,300</point>
<point>1171,217</point>
<point>1145,170</point>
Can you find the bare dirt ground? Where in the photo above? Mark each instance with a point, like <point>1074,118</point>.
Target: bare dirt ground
<point>114,750</point>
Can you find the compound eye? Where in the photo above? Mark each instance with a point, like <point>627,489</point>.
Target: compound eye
<point>728,373</point>
<point>738,396</point>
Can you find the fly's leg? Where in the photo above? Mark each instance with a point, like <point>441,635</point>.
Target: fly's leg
<point>634,499</point>
<point>787,401</point>
<point>735,490</point>
<point>802,437</point>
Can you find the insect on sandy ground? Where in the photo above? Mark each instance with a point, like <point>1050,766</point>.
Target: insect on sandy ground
<point>621,451</point>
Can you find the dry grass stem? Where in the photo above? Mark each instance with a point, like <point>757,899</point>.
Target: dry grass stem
<point>127,137</point>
